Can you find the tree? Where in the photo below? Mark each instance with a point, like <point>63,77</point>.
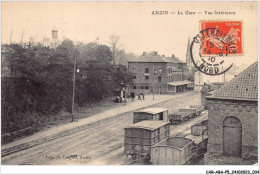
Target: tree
<point>115,47</point>
<point>40,81</point>
<point>124,57</point>
<point>190,74</point>
<point>121,75</point>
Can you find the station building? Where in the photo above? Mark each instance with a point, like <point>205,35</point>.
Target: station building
<point>232,121</point>
<point>159,74</point>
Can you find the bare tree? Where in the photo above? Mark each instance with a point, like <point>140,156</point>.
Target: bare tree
<point>22,37</point>
<point>115,46</point>
<point>11,37</point>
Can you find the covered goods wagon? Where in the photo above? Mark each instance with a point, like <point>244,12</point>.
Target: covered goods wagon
<point>150,114</point>
<point>200,128</point>
<point>139,137</point>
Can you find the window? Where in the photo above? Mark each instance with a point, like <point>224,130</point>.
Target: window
<point>169,79</point>
<point>147,70</point>
<point>142,87</point>
<point>134,87</point>
<point>161,116</point>
<point>159,79</point>
<point>147,77</point>
<point>134,68</point>
<point>134,77</point>
<point>146,87</point>
<point>159,70</point>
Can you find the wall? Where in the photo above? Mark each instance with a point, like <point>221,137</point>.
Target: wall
<point>140,83</point>
<point>246,112</point>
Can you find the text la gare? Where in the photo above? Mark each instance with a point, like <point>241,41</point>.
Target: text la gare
<point>186,13</point>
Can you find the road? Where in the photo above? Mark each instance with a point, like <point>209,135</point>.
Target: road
<point>99,144</point>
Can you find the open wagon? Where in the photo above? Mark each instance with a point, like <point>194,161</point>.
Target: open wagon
<point>178,117</point>
<point>172,151</point>
<point>193,112</point>
<point>198,107</point>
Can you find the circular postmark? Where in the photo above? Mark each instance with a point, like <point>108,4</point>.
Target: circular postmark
<point>209,51</point>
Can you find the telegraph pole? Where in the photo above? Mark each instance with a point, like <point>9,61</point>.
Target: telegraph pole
<point>153,81</point>
<point>73,91</point>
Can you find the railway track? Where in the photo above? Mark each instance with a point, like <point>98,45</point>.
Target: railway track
<point>79,145</point>
<point>80,132</point>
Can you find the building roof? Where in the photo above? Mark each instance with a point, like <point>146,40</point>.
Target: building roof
<point>174,59</point>
<point>149,58</point>
<point>178,83</point>
<point>154,57</point>
<point>148,124</point>
<point>153,110</point>
<point>54,28</point>
<point>243,87</point>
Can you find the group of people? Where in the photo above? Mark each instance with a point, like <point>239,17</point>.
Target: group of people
<point>140,96</point>
<point>119,98</point>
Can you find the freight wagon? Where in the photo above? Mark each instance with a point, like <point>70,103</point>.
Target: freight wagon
<point>151,114</point>
<point>172,151</point>
<point>200,129</point>
<point>178,117</point>
<point>198,107</point>
<point>192,112</point>
<point>139,137</point>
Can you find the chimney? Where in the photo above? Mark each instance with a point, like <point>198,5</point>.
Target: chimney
<point>162,55</point>
<point>173,56</point>
<point>144,53</point>
<point>155,53</point>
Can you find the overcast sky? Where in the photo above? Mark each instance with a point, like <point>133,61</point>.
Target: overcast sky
<point>138,29</point>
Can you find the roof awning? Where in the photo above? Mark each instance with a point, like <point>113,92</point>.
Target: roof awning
<point>178,83</point>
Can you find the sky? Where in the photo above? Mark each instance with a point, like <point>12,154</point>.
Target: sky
<point>133,22</point>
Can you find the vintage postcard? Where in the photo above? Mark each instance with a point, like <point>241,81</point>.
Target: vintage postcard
<point>130,83</point>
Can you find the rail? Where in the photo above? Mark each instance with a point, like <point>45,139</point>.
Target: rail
<point>23,146</point>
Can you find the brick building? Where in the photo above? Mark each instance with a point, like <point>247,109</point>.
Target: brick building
<point>232,123</point>
<point>159,73</point>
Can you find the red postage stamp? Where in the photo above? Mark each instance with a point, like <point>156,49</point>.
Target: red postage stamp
<point>222,38</point>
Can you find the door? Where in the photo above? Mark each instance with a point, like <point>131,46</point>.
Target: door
<point>232,138</point>
<point>161,116</point>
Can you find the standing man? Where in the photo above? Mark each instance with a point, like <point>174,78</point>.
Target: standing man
<point>132,95</point>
